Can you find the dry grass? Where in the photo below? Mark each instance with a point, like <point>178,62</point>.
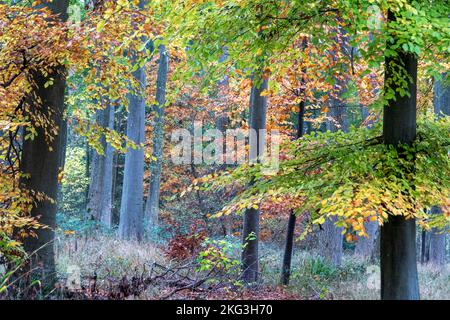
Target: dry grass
<point>106,256</point>
<point>434,282</point>
<point>109,258</point>
<point>354,280</point>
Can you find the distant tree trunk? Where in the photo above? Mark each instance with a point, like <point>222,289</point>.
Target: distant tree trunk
<point>330,238</point>
<point>442,97</point>
<point>42,165</point>
<point>290,232</point>
<point>399,278</point>
<point>132,204</point>
<point>131,225</point>
<point>222,122</point>
<point>63,133</point>
<point>425,247</point>
<point>152,205</point>
<point>375,256</point>
<point>437,244</point>
<point>437,238</point>
<point>62,157</point>
<point>331,242</point>
<point>87,171</point>
<point>100,188</point>
<point>107,198</point>
<point>114,215</point>
<point>250,257</point>
<point>365,246</point>
<point>119,164</point>
<point>289,244</point>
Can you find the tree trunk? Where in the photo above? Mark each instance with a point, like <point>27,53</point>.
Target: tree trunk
<point>289,244</point>
<point>41,161</point>
<point>330,238</point>
<point>100,188</point>
<point>87,170</point>
<point>288,248</point>
<point>62,156</point>
<point>107,198</point>
<point>437,238</point>
<point>437,244</point>
<point>250,263</point>
<point>152,205</point>
<point>425,247</point>
<point>131,225</point>
<point>331,242</point>
<point>132,204</point>
<point>442,98</point>
<point>222,122</point>
<point>365,246</point>
<point>119,164</point>
<point>399,279</point>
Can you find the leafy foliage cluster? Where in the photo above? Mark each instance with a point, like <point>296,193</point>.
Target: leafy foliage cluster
<point>354,176</point>
<point>94,52</point>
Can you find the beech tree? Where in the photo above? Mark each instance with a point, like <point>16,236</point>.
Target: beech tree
<point>43,45</point>
<point>100,187</point>
<point>329,236</point>
<point>250,233</point>
<point>289,244</point>
<point>378,174</point>
<point>152,204</point>
<point>132,205</point>
<point>399,279</point>
<point>441,105</point>
<point>334,177</point>
<point>99,194</point>
<point>41,159</point>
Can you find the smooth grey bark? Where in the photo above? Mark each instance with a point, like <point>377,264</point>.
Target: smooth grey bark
<point>87,171</point>
<point>442,97</point>
<point>437,244</point>
<point>107,197</point>
<point>99,201</point>
<point>330,238</point>
<point>131,225</point>
<point>222,123</point>
<point>331,242</point>
<point>152,205</point>
<point>132,204</point>
<point>100,187</point>
<point>365,246</point>
<point>250,234</point>
<point>437,238</point>
<point>42,165</point>
<point>399,278</point>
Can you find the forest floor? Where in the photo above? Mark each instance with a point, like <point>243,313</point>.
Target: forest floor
<point>115,269</point>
